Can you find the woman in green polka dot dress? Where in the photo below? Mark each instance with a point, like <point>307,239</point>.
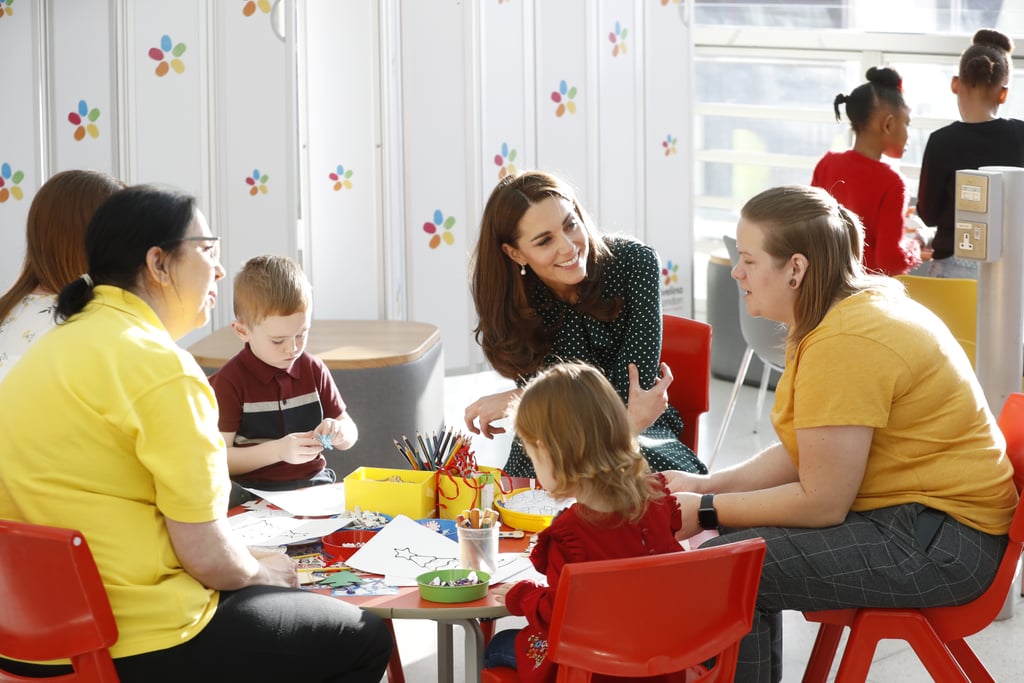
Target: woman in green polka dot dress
<point>549,288</point>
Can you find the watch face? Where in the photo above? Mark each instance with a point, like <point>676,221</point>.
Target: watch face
<point>707,516</point>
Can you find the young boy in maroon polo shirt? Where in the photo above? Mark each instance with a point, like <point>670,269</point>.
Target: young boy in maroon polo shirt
<point>279,406</point>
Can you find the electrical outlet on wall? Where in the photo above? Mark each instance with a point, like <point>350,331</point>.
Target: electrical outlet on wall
<point>971,240</point>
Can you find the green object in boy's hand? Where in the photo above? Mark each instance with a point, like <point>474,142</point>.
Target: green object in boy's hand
<point>325,439</point>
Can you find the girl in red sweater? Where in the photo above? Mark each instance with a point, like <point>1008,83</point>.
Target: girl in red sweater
<point>866,185</point>
<point>577,434</point>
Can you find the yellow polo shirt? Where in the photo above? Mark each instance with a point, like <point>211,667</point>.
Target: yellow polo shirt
<point>107,426</point>
<point>881,360</point>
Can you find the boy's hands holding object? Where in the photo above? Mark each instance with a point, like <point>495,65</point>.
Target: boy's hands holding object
<point>340,433</point>
<point>299,447</point>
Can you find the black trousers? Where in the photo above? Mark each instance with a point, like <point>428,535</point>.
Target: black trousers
<point>264,633</point>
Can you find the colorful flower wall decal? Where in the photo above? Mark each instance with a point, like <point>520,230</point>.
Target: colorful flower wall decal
<point>85,120</point>
<point>670,272</point>
<point>13,179</point>
<point>669,144</point>
<point>341,178</point>
<point>257,182</point>
<point>564,97</point>
<point>160,54</point>
<point>250,7</point>
<point>504,161</point>
<point>5,8</point>
<point>433,227</point>
<point>618,38</point>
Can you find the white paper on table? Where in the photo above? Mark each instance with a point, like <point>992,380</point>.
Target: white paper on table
<point>267,527</point>
<point>313,501</point>
<point>404,549</point>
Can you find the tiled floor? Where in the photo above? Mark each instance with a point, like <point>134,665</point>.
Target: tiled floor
<point>995,646</point>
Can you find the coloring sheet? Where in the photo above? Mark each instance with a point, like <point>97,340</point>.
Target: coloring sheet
<point>404,549</point>
<point>275,527</point>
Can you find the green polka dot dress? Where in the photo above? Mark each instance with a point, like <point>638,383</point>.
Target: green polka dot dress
<point>634,336</point>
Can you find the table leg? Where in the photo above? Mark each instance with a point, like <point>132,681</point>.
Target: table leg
<point>445,654</point>
<point>474,650</point>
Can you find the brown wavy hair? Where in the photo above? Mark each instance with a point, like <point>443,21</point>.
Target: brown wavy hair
<point>574,411</point>
<point>510,329</point>
<point>55,232</point>
<point>798,219</point>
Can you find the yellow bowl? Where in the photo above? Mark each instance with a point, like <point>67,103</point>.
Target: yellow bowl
<point>523,520</point>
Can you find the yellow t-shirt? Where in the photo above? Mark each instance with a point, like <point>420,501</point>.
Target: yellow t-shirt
<point>881,360</point>
<point>107,426</point>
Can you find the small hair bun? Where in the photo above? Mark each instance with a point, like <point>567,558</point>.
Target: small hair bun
<point>993,38</point>
<point>885,76</point>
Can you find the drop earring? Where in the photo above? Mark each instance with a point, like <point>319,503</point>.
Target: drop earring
<point>522,269</point>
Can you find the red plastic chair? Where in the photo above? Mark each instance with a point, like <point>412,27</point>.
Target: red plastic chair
<point>54,603</point>
<point>686,347</point>
<point>670,613</point>
<point>937,633</point>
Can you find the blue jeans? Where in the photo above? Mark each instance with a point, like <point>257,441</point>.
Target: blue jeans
<point>501,651</point>
<point>954,266</point>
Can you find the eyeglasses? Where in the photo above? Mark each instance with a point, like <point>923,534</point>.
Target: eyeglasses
<point>213,249</point>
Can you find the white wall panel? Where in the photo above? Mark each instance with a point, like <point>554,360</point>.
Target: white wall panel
<point>561,58</point>
<point>342,114</point>
<point>166,65</point>
<point>252,140</point>
<point>506,108</point>
<point>668,186</point>
<point>619,161</point>
<point>439,228</point>
<point>20,156</point>
<point>80,45</point>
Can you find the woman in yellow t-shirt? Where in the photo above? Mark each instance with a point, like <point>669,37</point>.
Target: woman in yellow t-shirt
<point>110,427</point>
<point>890,485</point>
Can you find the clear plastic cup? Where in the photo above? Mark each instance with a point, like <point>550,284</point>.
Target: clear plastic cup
<point>478,548</point>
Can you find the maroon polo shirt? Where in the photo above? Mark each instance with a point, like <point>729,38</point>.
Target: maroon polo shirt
<point>261,403</point>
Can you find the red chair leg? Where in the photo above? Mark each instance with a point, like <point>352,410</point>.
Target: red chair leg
<point>487,626</point>
<point>395,672</point>
<point>499,674</point>
<point>969,662</point>
<point>823,653</point>
<point>910,626</point>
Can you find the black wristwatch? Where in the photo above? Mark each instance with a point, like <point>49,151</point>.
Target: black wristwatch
<point>707,515</point>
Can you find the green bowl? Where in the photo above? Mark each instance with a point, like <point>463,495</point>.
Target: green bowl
<point>466,593</point>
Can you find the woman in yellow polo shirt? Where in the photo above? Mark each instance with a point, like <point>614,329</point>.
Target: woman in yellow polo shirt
<point>890,486</point>
<point>110,428</point>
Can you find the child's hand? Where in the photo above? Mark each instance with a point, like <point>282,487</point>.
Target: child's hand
<point>683,481</point>
<point>498,592</point>
<point>341,431</point>
<point>299,447</point>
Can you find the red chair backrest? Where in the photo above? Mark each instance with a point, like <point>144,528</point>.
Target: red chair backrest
<point>1011,424</point>
<point>657,614</point>
<point>686,347</point>
<point>54,602</point>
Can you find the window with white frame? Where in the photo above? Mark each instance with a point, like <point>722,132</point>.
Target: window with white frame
<point>766,74</point>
